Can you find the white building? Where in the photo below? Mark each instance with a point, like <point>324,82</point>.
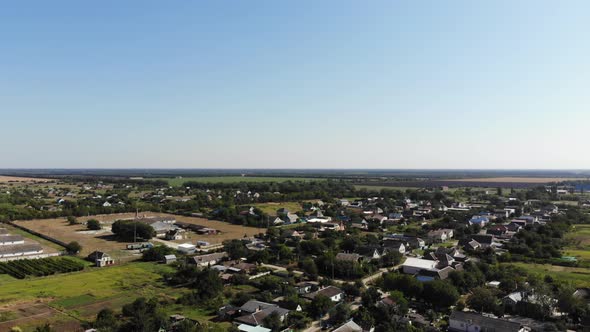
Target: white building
<point>415,265</point>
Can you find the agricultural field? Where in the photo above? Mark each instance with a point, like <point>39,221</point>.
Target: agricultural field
<point>578,277</point>
<point>578,243</point>
<point>228,231</point>
<point>65,299</point>
<point>22,268</point>
<point>232,179</point>
<point>539,180</point>
<point>4,179</point>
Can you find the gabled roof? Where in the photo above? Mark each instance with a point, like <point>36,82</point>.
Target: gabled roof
<point>209,257</point>
<point>98,255</point>
<point>348,257</point>
<point>329,291</point>
<point>485,323</point>
<point>349,326</point>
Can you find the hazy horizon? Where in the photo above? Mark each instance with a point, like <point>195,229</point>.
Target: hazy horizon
<point>302,85</point>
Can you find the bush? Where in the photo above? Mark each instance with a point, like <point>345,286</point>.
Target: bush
<point>93,224</point>
<point>73,247</point>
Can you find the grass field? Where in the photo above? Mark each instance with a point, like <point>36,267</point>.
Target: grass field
<point>579,277</point>
<point>579,243</point>
<point>579,237</point>
<point>539,180</point>
<point>4,178</point>
<point>64,299</point>
<point>233,179</point>
<point>271,208</point>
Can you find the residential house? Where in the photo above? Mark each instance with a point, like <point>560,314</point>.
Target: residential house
<point>497,230</point>
<point>351,326</point>
<point>346,257</point>
<point>440,235</point>
<point>333,293</point>
<point>360,224</point>
<point>372,252</point>
<point>461,321</point>
<point>209,259</point>
<point>101,259</point>
<point>479,220</point>
<point>254,312</point>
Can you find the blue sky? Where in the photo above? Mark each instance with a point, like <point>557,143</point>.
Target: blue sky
<point>295,84</point>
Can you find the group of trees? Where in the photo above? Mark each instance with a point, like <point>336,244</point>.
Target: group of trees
<point>127,230</point>
<point>438,293</point>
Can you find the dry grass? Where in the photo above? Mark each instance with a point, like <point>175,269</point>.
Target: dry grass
<point>104,241</point>
<point>517,179</point>
<point>23,179</point>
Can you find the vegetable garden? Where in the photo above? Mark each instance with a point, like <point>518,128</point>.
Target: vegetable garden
<point>39,267</point>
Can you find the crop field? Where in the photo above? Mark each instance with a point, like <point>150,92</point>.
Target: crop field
<point>4,179</point>
<point>233,179</point>
<point>579,277</point>
<point>508,179</point>
<point>64,299</point>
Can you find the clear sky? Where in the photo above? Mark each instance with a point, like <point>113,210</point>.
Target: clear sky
<point>295,84</point>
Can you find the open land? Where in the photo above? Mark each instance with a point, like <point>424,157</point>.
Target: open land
<point>4,178</point>
<point>59,228</point>
<point>517,179</point>
<point>579,277</point>
<point>65,299</point>
<point>232,179</point>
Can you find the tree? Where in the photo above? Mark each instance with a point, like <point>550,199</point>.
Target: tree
<point>73,247</point>
<point>482,299</point>
<point>364,318</point>
<point>309,266</point>
<point>272,321</point>
<point>106,321</point>
<point>340,314</point>
<point>72,220</point>
<point>157,253</point>
<point>320,305</point>
<point>143,315</point>
<point>93,224</point>
<point>440,293</point>
<point>130,230</point>
<point>235,249</point>
<point>44,328</point>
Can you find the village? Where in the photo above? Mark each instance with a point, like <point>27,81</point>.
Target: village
<point>423,259</point>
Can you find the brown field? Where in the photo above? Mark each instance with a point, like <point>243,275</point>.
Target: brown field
<point>228,231</point>
<point>22,179</point>
<point>517,179</point>
<point>60,229</point>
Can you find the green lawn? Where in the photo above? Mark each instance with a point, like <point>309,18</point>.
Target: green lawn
<point>579,277</point>
<point>98,283</point>
<point>271,208</point>
<point>233,179</point>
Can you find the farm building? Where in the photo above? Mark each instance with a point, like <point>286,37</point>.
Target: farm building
<point>169,259</point>
<point>187,248</point>
<point>101,259</point>
<point>17,251</point>
<point>6,240</point>
<point>209,259</point>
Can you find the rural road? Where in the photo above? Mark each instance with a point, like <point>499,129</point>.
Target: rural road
<point>170,244</point>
